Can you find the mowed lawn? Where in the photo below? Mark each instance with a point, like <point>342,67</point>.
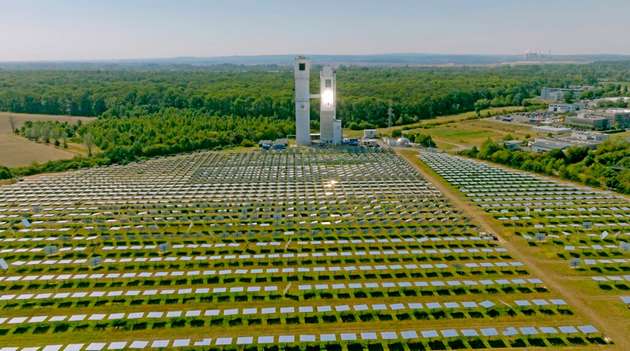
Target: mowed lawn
<point>437,120</point>
<point>16,151</point>
<point>466,134</point>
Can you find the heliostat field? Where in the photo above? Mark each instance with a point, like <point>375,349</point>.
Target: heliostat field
<point>299,249</point>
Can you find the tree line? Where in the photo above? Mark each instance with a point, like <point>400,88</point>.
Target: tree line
<point>55,132</point>
<point>364,94</point>
<point>171,131</point>
<point>150,113</point>
<point>174,131</point>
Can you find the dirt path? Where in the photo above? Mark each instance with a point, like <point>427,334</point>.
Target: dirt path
<point>578,301</point>
<point>457,146</point>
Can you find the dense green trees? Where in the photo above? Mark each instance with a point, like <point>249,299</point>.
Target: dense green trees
<point>364,93</point>
<point>422,139</point>
<point>5,173</point>
<point>173,131</point>
<point>60,165</point>
<point>146,113</point>
<point>49,131</point>
<point>607,166</point>
<point>167,132</point>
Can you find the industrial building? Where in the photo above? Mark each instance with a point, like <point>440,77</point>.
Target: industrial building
<point>512,144</point>
<point>565,108</point>
<point>551,130</point>
<point>576,138</point>
<point>558,94</point>
<point>544,144</point>
<point>619,117</point>
<point>589,137</point>
<point>369,134</point>
<point>614,118</point>
<point>329,126</point>
<point>588,121</point>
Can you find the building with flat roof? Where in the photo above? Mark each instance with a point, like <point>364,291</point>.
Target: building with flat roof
<point>558,94</point>
<point>512,144</point>
<point>543,145</point>
<point>613,118</point>
<point>588,122</point>
<point>589,136</point>
<point>552,130</point>
<point>619,117</point>
<point>565,108</point>
<point>369,133</point>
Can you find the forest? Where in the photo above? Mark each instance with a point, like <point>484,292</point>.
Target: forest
<point>607,166</point>
<point>364,93</point>
<point>123,140</point>
<point>144,113</point>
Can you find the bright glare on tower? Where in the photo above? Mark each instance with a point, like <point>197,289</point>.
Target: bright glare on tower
<point>328,97</point>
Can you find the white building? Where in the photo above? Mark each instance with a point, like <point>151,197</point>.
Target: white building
<point>589,136</point>
<point>329,126</point>
<point>552,130</point>
<point>369,134</point>
<point>543,145</point>
<point>337,132</point>
<point>302,70</point>
<point>565,108</point>
<point>557,94</point>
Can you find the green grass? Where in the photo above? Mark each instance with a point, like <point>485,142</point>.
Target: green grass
<point>439,120</point>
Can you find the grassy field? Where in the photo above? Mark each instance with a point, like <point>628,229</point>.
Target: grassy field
<point>16,151</point>
<point>468,133</point>
<point>440,120</point>
<point>624,135</point>
<point>463,131</point>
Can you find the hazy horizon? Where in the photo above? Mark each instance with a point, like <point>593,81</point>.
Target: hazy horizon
<point>149,58</point>
<point>66,30</point>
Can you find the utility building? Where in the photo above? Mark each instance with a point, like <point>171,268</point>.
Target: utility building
<point>302,69</point>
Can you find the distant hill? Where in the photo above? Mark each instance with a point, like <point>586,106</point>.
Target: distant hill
<point>234,62</point>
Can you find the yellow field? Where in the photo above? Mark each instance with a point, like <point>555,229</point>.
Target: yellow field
<point>16,151</point>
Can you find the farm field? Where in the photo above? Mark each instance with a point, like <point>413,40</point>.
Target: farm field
<point>579,234</point>
<point>300,249</point>
<point>16,151</point>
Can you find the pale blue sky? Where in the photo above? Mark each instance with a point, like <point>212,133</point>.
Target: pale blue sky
<point>99,29</point>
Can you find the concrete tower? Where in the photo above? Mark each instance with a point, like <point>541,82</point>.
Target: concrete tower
<point>328,105</point>
<point>302,69</point>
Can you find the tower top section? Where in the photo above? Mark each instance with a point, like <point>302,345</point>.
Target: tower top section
<point>327,71</point>
<point>302,67</point>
